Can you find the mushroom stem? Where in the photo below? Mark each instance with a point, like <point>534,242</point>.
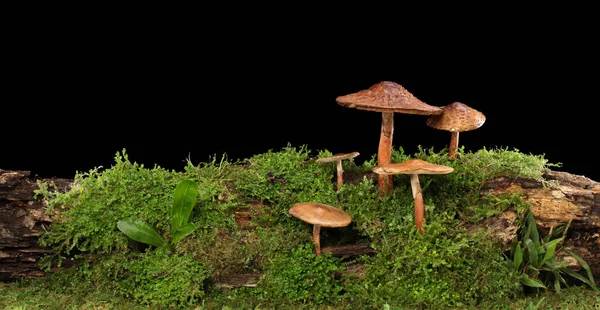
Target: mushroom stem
<point>340,171</point>
<point>317,238</point>
<point>418,200</point>
<point>453,144</point>
<point>384,153</point>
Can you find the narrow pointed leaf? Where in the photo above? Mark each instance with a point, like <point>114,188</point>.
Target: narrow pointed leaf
<point>585,266</point>
<point>141,232</point>
<point>557,278</point>
<point>550,249</point>
<point>183,231</point>
<point>532,229</point>
<point>526,280</point>
<point>513,244</point>
<point>579,277</point>
<point>532,252</point>
<point>518,257</point>
<point>185,197</point>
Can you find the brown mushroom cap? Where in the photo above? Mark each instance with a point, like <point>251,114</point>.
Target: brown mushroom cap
<point>457,117</point>
<point>320,214</point>
<point>387,96</point>
<point>412,166</point>
<point>337,157</point>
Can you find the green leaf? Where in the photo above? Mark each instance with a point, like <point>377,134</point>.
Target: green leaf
<point>141,232</point>
<point>532,252</point>
<point>559,230</point>
<point>183,231</point>
<point>557,279</point>
<point>532,229</point>
<point>587,268</point>
<point>518,257</point>
<point>185,197</point>
<point>552,265</point>
<point>579,277</point>
<point>526,280</point>
<point>550,249</point>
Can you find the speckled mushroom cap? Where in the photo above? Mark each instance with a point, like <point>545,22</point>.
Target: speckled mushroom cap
<point>336,157</point>
<point>320,214</point>
<point>457,117</point>
<point>412,166</point>
<point>387,96</point>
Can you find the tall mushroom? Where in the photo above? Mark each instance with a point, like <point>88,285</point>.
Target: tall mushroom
<point>456,117</point>
<point>388,98</point>
<point>337,158</point>
<point>414,167</point>
<point>320,215</point>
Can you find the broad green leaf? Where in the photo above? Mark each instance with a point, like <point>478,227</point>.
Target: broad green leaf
<point>550,249</point>
<point>183,231</point>
<point>141,232</point>
<point>532,252</point>
<point>532,229</point>
<point>526,280</point>
<point>185,197</point>
<point>518,257</point>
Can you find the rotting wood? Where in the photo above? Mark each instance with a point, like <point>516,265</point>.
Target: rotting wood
<point>349,251</point>
<point>561,198</point>
<point>21,220</point>
<point>238,280</point>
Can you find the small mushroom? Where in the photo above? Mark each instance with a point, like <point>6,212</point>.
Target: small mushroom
<point>337,158</point>
<point>320,215</point>
<point>456,117</point>
<point>388,98</point>
<point>413,168</point>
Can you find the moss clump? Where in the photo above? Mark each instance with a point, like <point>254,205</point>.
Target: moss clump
<point>299,275</point>
<point>157,277</point>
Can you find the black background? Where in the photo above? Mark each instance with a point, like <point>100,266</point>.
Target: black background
<point>75,95</point>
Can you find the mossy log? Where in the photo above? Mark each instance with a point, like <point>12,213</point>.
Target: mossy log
<point>560,198</point>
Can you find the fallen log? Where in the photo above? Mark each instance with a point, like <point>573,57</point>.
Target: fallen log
<point>559,198</point>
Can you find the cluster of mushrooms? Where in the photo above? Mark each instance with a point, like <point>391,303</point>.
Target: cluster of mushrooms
<point>389,98</point>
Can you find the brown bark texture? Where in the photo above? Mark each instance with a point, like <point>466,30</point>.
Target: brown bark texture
<point>22,218</point>
<point>562,197</point>
<point>553,203</point>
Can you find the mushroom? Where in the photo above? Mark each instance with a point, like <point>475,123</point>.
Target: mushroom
<point>320,215</point>
<point>337,158</point>
<point>414,167</point>
<point>456,117</point>
<point>388,98</point>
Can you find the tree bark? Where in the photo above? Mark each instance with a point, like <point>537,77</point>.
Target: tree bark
<point>21,219</point>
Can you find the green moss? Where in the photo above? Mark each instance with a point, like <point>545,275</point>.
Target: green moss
<point>443,269</point>
<point>447,267</point>
<point>299,275</point>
